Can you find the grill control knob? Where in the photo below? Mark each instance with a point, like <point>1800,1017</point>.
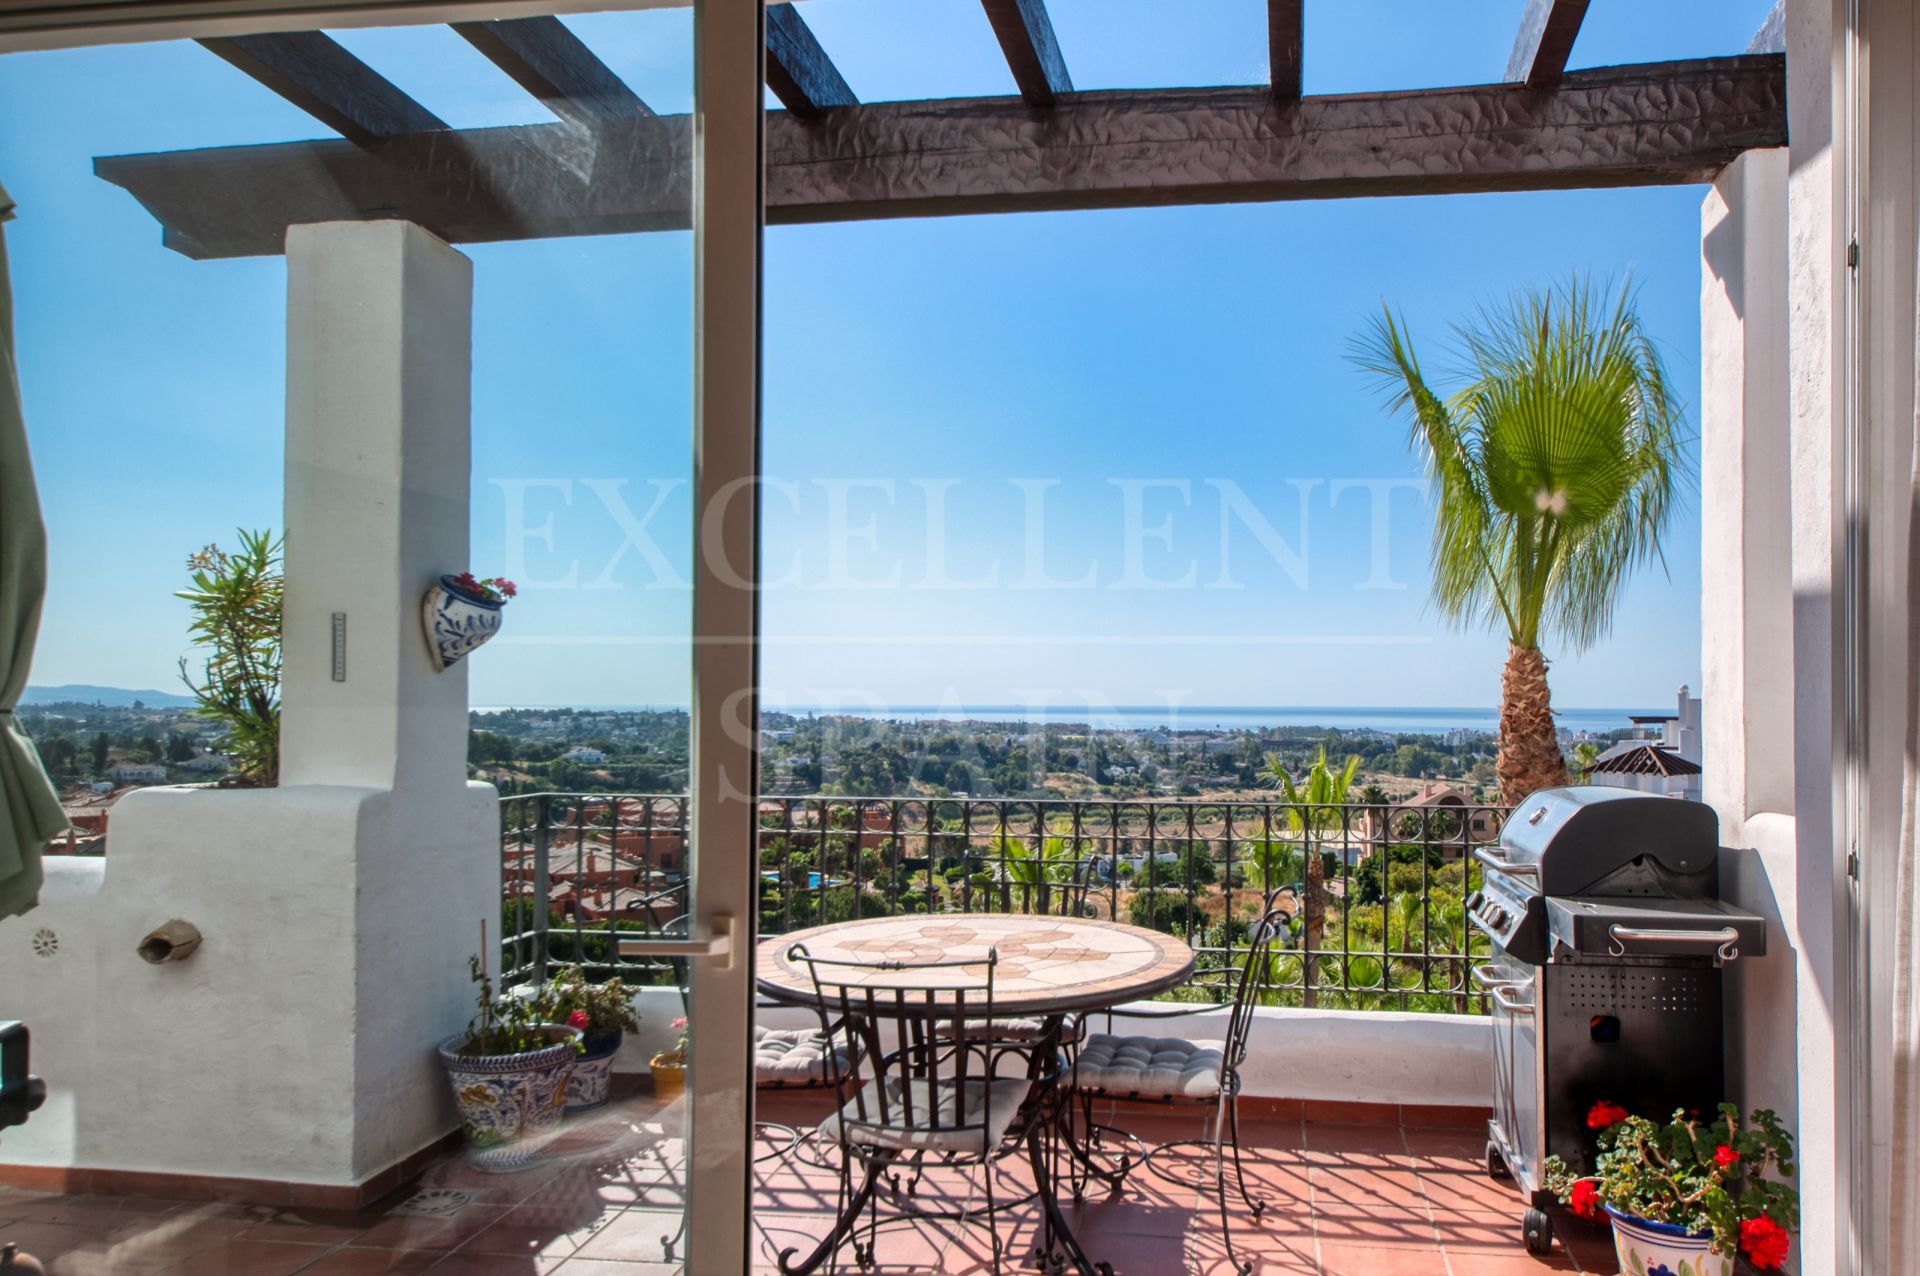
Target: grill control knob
<point>1474,901</point>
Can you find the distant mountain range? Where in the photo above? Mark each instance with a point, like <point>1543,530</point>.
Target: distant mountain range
<point>116,697</point>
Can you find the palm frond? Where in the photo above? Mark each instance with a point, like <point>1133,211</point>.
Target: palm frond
<point>1556,467</point>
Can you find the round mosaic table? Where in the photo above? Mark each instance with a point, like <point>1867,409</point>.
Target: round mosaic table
<point>1048,965</point>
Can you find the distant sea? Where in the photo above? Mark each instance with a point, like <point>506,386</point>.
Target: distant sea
<point>1396,720</point>
<point>1251,718</point>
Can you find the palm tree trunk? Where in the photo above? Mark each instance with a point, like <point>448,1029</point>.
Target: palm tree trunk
<point>1530,757</point>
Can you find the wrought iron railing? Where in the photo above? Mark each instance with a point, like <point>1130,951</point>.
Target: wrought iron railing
<point>1376,893</point>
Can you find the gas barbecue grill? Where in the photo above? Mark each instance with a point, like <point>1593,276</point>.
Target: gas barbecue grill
<point>1608,938</point>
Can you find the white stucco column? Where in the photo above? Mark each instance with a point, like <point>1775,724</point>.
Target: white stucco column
<point>1746,610</point>
<point>379,369</point>
<point>339,909</point>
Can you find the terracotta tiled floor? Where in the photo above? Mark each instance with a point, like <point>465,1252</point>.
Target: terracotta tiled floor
<point>1343,1200</point>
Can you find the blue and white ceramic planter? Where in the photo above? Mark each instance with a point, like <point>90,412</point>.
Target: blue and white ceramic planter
<point>593,1072</point>
<point>457,621</point>
<point>511,1104</point>
<point>1647,1248</point>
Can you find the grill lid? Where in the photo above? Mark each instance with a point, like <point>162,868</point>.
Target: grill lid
<point>1570,841</point>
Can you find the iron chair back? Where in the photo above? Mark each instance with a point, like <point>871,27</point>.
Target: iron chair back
<point>1255,974</point>
<point>929,1057</point>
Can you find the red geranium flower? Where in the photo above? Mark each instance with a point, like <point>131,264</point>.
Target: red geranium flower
<point>578,1019</point>
<point>1604,1114</point>
<point>1586,1199</point>
<point>1725,1157</point>
<point>1765,1241</point>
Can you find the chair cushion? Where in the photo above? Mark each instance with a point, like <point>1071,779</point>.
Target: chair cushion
<point>1151,1067</point>
<point>986,1110</point>
<point>797,1057</point>
<point>1023,1030</point>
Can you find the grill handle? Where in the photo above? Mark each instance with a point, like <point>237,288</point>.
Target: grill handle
<point>1500,864</point>
<point>1503,996</point>
<point>1487,976</point>
<point>1724,939</point>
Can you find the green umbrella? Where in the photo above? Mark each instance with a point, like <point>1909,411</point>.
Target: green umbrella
<point>32,814</point>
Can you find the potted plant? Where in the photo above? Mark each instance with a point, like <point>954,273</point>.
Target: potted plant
<point>509,1071</point>
<point>604,1015</point>
<point>462,612</point>
<point>1686,1197</point>
<point>670,1066</point>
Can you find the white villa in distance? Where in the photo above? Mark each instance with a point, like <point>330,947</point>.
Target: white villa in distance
<point>1663,755</point>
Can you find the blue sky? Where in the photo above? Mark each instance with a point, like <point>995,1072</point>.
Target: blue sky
<point>1184,360</point>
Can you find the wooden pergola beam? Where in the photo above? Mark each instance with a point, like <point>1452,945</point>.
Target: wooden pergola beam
<point>314,72</point>
<point>549,61</point>
<point>1286,40</point>
<point>1547,31</point>
<point>1621,126</point>
<point>1033,55</point>
<point>799,71</point>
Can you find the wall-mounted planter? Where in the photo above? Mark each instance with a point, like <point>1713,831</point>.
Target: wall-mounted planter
<point>457,621</point>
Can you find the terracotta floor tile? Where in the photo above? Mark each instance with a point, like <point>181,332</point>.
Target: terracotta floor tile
<point>244,1257</point>
<point>602,1267</point>
<point>1514,1263</point>
<point>1387,1141</point>
<point>373,1262</point>
<point>1360,1260</point>
<point>639,1235</point>
<point>1341,1198</point>
<point>48,1241</point>
<point>400,1231</point>
<point>462,1263</point>
<point>540,1230</point>
<point>1379,1230</point>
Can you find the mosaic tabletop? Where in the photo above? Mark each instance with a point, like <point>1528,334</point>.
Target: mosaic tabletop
<point>1047,965</point>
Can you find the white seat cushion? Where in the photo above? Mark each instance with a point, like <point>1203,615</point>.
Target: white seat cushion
<point>1151,1067</point>
<point>987,1109</point>
<point>797,1057</point>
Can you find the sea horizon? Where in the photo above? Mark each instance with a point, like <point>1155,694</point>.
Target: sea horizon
<point>1395,719</point>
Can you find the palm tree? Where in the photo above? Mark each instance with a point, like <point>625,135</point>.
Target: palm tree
<point>1556,468</point>
<point>1313,810</point>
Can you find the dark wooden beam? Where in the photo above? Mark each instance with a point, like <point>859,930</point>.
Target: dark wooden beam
<point>311,70</point>
<point>1286,35</point>
<point>1547,32</point>
<point>1621,126</point>
<point>799,71</point>
<point>1026,37</point>
<point>549,61</point>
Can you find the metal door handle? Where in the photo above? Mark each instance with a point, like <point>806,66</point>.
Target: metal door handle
<point>717,943</point>
<point>1487,977</point>
<point>1507,1003</point>
<point>1724,939</point>
<point>1499,863</point>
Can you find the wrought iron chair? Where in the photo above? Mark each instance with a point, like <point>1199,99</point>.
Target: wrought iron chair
<point>1179,1071</point>
<point>934,1094</point>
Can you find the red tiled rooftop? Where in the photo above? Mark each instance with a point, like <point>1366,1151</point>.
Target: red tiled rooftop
<point>1343,1200</point>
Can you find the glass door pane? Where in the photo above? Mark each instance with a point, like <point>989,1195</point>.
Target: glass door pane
<point>503,292</point>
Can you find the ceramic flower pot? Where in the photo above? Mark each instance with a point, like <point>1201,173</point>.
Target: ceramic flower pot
<point>1647,1248</point>
<point>457,621</point>
<point>593,1072</point>
<point>511,1104</point>
<point>669,1074</point>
